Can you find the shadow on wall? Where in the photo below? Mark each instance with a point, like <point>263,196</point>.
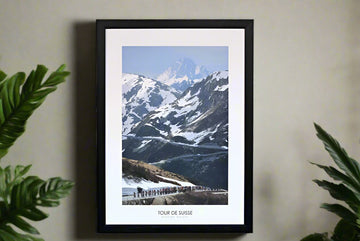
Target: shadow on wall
<point>85,142</point>
<point>354,70</point>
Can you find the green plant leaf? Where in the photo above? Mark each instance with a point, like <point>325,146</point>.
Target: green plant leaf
<point>40,73</point>
<point>6,233</point>
<point>339,155</point>
<point>339,176</point>
<point>19,97</point>
<point>56,77</point>
<point>52,190</point>
<point>2,183</point>
<point>344,231</point>
<point>341,211</point>
<point>33,213</point>
<point>6,236</point>
<point>316,237</point>
<point>23,225</point>
<point>341,192</point>
<point>21,170</point>
<point>23,196</point>
<point>2,76</point>
<point>348,229</point>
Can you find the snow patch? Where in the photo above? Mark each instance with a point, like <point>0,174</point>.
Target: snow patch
<point>220,75</point>
<point>197,69</point>
<point>164,133</point>
<point>146,184</point>
<point>167,96</point>
<point>143,144</point>
<point>194,116</point>
<point>182,183</point>
<point>127,125</point>
<point>174,129</point>
<point>197,137</point>
<point>187,104</point>
<point>221,88</point>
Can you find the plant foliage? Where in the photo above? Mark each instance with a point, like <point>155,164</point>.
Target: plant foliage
<point>19,97</point>
<point>343,232</point>
<point>346,188</point>
<point>21,197</point>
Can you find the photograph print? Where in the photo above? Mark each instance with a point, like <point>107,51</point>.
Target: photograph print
<point>175,125</point>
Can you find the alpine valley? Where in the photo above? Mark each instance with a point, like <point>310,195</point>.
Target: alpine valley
<point>181,130</point>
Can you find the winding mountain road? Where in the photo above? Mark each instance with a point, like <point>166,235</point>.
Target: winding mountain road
<point>175,143</point>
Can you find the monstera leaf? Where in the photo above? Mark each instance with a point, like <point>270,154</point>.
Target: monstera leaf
<point>19,97</point>
<point>20,199</point>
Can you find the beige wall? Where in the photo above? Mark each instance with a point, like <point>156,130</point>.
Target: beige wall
<point>307,58</point>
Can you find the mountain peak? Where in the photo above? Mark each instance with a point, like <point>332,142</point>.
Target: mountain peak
<point>182,74</point>
<point>185,60</point>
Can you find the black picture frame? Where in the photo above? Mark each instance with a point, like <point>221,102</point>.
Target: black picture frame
<point>246,226</point>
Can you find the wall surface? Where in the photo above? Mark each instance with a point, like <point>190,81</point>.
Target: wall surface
<point>307,58</point>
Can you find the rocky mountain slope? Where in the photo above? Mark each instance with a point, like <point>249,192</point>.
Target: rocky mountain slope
<point>140,95</point>
<point>133,169</point>
<point>199,116</point>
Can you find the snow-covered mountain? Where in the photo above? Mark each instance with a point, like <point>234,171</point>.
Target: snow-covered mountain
<point>198,117</point>
<point>183,74</point>
<point>188,136</point>
<point>140,95</point>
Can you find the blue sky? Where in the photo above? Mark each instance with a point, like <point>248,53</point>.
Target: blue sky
<point>153,60</point>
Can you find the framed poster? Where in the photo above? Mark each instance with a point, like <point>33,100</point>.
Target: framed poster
<point>175,125</point>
